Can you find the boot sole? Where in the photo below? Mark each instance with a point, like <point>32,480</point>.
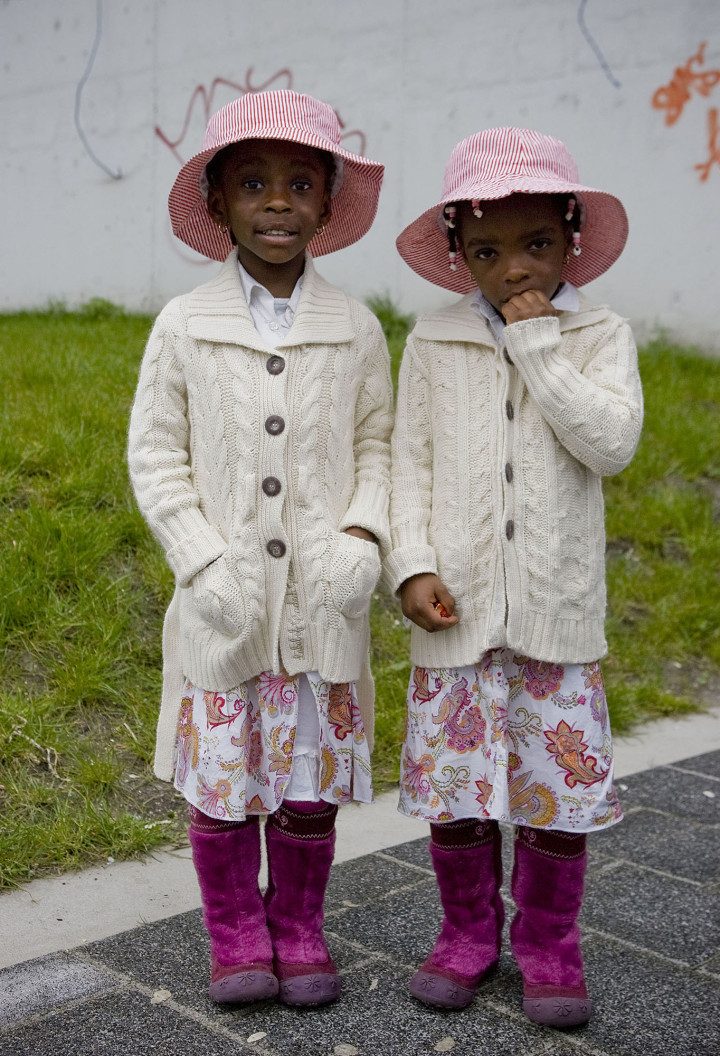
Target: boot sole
<point>560,1012</point>
<point>439,992</point>
<point>309,990</point>
<point>244,987</point>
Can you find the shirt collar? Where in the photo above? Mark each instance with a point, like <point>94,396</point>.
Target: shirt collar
<point>565,300</point>
<point>259,296</point>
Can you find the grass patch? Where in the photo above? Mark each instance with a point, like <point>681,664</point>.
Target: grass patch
<point>85,587</point>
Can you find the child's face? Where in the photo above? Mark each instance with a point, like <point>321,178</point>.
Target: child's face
<point>518,244</point>
<point>274,195</point>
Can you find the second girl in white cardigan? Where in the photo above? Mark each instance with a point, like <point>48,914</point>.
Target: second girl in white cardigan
<point>513,404</point>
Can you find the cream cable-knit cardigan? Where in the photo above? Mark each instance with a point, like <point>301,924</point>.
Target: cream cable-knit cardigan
<point>206,433</point>
<point>497,466</point>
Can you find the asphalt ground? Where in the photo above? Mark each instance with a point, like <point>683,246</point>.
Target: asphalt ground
<point>651,924</point>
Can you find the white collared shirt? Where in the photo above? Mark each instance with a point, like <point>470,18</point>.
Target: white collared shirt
<point>272,316</point>
<point>565,300</point>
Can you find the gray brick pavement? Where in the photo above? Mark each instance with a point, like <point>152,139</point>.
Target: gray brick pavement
<point>651,925</point>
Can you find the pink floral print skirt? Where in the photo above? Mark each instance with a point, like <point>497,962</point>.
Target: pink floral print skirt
<point>236,751</point>
<point>510,738</point>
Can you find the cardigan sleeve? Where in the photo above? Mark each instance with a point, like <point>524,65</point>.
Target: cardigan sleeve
<point>411,496</point>
<point>595,412</point>
<point>368,507</point>
<point>159,460</point>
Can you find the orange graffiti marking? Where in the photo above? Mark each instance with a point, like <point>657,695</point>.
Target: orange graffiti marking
<point>672,97</point>
<point>713,145</point>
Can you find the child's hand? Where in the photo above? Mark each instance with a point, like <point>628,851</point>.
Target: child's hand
<point>360,533</point>
<point>428,603</point>
<point>529,305</point>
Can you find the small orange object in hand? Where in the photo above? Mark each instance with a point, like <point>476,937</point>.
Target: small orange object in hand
<point>441,609</point>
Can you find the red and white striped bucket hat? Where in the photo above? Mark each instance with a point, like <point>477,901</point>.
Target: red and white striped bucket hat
<point>288,115</point>
<point>503,161</point>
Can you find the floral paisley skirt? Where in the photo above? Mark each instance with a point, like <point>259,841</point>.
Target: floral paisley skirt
<point>509,738</point>
<point>241,752</point>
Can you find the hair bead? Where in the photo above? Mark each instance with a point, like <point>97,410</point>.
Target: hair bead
<point>577,248</point>
<point>449,214</point>
<point>571,203</point>
<point>475,203</point>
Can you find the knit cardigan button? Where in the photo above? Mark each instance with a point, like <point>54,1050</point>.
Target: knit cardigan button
<point>275,365</point>
<point>271,486</point>
<point>276,548</point>
<point>508,473</point>
<point>510,529</point>
<point>509,411</point>
<point>274,424</point>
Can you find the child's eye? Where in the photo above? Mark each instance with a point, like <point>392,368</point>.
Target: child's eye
<point>485,253</point>
<point>252,183</point>
<point>301,185</point>
<point>541,243</point>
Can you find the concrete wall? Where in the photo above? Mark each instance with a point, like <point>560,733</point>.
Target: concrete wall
<point>409,78</point>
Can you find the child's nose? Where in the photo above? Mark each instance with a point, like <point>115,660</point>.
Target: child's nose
<point>277,200</point>
<point>516,269</point>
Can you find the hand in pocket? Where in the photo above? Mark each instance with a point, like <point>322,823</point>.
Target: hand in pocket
<point>217,596</point>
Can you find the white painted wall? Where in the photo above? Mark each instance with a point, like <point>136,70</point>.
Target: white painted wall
<point>414,76</point>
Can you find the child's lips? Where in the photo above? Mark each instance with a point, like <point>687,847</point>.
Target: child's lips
<point>276,235</point>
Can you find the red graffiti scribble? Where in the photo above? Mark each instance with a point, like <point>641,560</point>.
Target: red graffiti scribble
<point>672,97</point>
<point>207,96</point>
<point>713,145</point>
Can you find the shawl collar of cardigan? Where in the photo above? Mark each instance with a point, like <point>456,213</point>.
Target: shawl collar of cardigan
<point>217,311</point>
<point>460,322</point>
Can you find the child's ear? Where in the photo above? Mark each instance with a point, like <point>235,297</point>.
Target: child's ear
<point>326,211</point>
<point>216,205</point>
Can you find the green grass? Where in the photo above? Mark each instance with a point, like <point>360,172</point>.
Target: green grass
<point>85,587</point>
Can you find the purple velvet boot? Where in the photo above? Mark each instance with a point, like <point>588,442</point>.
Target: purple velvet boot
<point>300,847</point>
<point>468,867</point>
<point>227,862</point>
<point>547,885</point>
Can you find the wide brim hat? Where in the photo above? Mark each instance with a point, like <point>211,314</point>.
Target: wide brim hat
<point>287,115</point>
<point>499,162</point>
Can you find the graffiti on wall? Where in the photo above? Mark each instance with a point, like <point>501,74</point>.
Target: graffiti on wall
<point>205,98</point>
<point>674,97</point>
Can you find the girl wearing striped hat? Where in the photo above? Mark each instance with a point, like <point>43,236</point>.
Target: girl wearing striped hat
<point>259,454</point>
<point>513,404</point>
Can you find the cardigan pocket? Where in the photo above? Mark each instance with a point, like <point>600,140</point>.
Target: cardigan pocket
<point>354,570</point>
<point>218,600</point>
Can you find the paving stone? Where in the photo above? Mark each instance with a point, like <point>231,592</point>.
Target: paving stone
<point>659,913</point>
<point>645,837</point>
<point>125,1024</point>
<point>37,986</point>
<point>174,955</point>
<point>402,926</point>
<point>376,1015</point>
<point>712,966</point>
<point>709,763</point>
<point>644,1007</point>
<point>417,852</point>
<point>675,793</point>
<point>364,879</point>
